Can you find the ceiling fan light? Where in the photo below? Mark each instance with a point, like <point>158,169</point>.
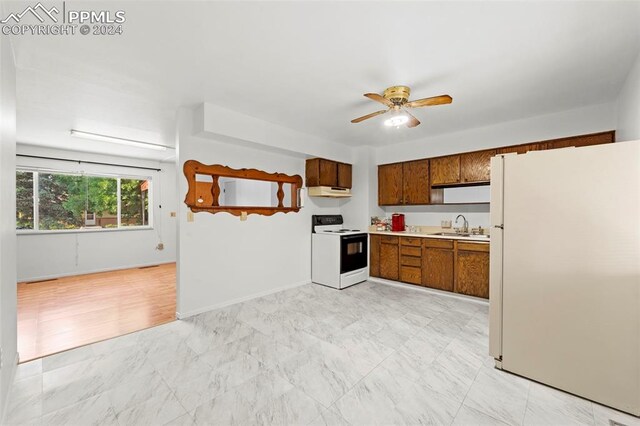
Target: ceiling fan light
<point>396,120</point>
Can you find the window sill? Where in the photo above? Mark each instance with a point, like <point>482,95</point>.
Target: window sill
<point>83,231</point>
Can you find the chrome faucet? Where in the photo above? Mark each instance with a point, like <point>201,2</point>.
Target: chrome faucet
<point>465,224</point>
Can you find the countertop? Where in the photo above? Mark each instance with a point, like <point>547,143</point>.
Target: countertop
<point>475,238</point>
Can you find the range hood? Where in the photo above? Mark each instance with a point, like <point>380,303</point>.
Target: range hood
<point>328,191</point>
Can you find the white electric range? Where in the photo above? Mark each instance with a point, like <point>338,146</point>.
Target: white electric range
<point>339,256</point>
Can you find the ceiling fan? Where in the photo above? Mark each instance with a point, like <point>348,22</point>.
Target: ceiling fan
<point>397,99</point>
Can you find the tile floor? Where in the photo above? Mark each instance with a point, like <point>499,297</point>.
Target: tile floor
<point>370,354</point>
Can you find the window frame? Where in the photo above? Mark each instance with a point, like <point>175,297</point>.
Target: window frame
<point>36,202</point>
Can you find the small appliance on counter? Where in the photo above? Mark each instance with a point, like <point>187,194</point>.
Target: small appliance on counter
<point>397,222</point>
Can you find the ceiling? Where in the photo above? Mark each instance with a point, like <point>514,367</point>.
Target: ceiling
<point>306,65</point>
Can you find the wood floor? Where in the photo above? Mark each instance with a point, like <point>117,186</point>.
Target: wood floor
<point>73,311</point>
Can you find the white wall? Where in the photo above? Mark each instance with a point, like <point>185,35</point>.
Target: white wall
<point>590,119</point>
<point>8,297</point>
<point>49,255</point>
<point>222,259</point>
<point>629,106</point>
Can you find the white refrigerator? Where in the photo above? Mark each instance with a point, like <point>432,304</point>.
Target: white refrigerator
<point>565,270</point>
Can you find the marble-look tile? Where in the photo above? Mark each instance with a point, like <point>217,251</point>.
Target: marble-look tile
<point>382,398</point>
<point>263,348</point>
<point>108,346</point>
<point>324,372</point>
<point>292,408</point>
<point>92,411</point>
<point>187,366</point>
<point>235,406</point>
<point>468,416</point>
<point>65,358</point>
<point>28,369</point>
<point>547,406</point>
<point>603,415</point>
<point>136,391</point>
<point>456,357</point>
<point>72,392</point>
<point>370,354</point>
<point>160,409</point>
<point>329,417</point>
<point>205,339</point>
<point>499,395</point>
<point>25,401</point>
<point>183,420</point>
<point>224,377</point>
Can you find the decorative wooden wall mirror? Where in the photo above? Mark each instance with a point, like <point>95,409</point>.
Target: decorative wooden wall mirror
<point>216,188</point>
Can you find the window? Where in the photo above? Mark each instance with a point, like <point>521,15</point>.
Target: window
<point>80,202</point>
<point>134,202</point>
<point>24,200</point>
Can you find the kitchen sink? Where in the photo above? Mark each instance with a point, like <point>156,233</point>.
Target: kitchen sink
<point>456,234</point>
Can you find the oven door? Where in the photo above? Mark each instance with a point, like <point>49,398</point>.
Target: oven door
<point>353,252</point>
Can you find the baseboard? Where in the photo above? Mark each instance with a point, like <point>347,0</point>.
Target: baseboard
<point>182,315</point>
<point>5,402</point>
<point>92,271</point>
<point>429,290</point>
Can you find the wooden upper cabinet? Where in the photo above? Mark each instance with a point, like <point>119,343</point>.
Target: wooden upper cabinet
<point>577,141</point>
<point>585,140</point>
<point>415,182</point>
<point>522,149</point>
<point>476,166</point>
<point>344,175</point>
<point>445,170</point>
<point>390,184</point>
<point>321,172</point>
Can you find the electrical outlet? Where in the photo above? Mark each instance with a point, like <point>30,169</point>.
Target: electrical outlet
<point>173,214</point>
<point>160,246</point>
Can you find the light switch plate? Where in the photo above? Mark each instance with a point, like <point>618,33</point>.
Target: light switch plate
<point>243,216</point>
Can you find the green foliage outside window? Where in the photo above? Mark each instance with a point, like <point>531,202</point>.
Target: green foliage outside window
<point>72,202</point>
<point>24,200</point>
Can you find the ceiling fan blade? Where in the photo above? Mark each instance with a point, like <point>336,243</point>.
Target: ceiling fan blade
<point>435,100</point>
<point>366,117</point>
<point>413,122</point>
<point>379,98</point>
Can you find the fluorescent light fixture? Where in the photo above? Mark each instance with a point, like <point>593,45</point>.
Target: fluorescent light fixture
<point>396,120</point>
<point>113,139</point>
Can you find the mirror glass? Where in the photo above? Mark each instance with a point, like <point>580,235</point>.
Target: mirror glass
<point>236,192</point>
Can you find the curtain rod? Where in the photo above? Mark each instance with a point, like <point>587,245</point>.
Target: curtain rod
<point>87,162</point>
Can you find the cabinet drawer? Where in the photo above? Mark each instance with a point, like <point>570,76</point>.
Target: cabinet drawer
<point>410,274</point>
<point>438,243</point>
<point>469,246</point>
<point>406,241</point>
<point>388,239</point>
<point>411,261</point>
<point>411,251</point>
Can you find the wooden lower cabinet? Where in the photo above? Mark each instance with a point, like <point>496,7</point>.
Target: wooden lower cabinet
<point>437,268</point>
<point>374,255</point>
<point>410,260</point>
<point>389,258</point>
<point>472,269</point>
<point>449,265</point>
